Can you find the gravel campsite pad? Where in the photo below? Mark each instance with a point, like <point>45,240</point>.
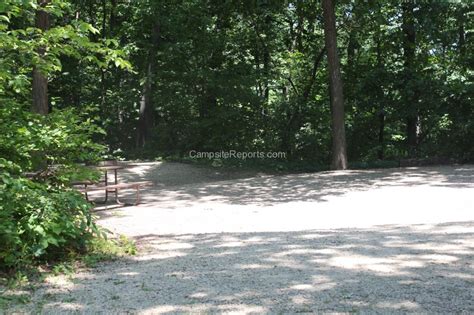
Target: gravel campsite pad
<point>383,241</point>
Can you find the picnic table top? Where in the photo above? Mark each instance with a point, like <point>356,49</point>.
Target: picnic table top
<point>109,167</point>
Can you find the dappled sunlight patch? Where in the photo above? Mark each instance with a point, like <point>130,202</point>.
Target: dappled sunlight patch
<point>298,299</point>
<point>231,244</point>
<point>395,305</point>
<point>162,309</point>
<point>359,262</point>
<point>327,251</point>
<point>235,242</point>
<point>62,281</point>
<point>128,273</point>
<point>242,309</point>
<point>231,241</point>
<point>303,287</point>
<point>160,256</point>
<point>84,276</point>
<point>239,295</point>
<point>143,168</point>
<point>199,295</point>
<point>460,275</point>
<point>457,228</point>
<point>438,258</point>
<point>314,236</point>
<point>450,248</point>
<point>205,308</point>
<point>411,263</point>
<point>322,282</point>
<point>255,240</point>
<point>225,253</point>
<point>293,246</point>
<point>252,266</point>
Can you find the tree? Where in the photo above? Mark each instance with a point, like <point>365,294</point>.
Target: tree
<point>40,81</point>
<point>146,119</point>
<point>339,155</point>
<point>410,90</point>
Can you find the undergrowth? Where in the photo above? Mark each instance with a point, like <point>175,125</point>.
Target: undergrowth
<point>26,279</point>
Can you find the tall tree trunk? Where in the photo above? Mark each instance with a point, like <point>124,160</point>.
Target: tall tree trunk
<point>103,83</point>
<point>339,155</point>
<point>113,16</point>
<point>266,61</point>
<point>462,34</point>
<point>381,113</point>
<point>40,81</point>
<point>146,117</point>
<point>299,26</point>
<point>411,93</point>
<point>145,120</point>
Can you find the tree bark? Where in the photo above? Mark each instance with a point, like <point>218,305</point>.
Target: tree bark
<point>381,100</point>
<point>338,133</point>
<point>103,83</point>
<point>266,62</point>
<point>462,34</point>
<point>409,45</point>
<point>146,118</point>
<point>40,81</point>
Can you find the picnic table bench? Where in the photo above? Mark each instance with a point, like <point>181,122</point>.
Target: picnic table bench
<point>116,187</point>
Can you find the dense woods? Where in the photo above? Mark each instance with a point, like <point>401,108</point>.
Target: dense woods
<point>256,76</point>
<point>327,82</point>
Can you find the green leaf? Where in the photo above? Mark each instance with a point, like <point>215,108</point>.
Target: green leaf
<point>4,18</point>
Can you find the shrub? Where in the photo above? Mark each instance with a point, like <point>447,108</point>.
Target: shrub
<point>41,217</point>
<point>39,221</point>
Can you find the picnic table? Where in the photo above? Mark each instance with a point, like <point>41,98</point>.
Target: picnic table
<point>90,186</point>
<point>104,185</point>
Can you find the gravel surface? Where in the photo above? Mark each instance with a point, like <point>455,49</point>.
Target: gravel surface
<point>374,241</point>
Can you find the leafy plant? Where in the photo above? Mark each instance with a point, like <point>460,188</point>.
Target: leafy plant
<point>41,217</point>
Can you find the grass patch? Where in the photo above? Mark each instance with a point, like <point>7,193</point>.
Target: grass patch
<point>7,301</point>
<point>102,249</point>
<point>98,249</point>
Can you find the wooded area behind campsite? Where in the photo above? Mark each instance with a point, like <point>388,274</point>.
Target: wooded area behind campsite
<point>254,75</point>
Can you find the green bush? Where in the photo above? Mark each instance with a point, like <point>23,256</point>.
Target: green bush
<point>41,218</point>
<point>39,221</point>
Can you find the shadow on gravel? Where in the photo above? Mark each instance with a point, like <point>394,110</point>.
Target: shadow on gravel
<point>422,268</point>
<point>187,185</point>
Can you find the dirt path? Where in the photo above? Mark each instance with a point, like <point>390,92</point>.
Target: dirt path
<point>392,240</point>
